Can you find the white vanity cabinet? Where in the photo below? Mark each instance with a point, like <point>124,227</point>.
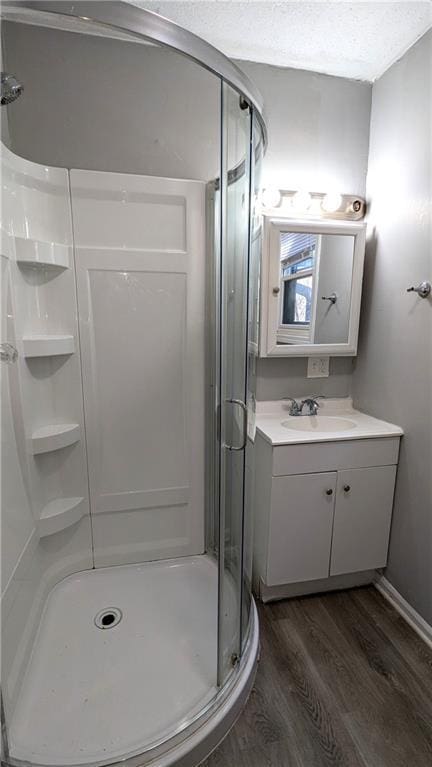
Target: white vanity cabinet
<point>362,517</point>
<point>300,527</point>
<point>322,510</point>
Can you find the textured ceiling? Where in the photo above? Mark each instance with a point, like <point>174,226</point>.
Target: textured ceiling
<point>358,39</point>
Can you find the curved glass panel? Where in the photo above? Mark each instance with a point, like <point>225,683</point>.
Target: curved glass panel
<point>122,19</point>
<point>103,104</point>
<point>255,234</point>
<point>112,146</point>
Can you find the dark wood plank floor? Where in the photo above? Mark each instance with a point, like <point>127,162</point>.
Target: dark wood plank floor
<point>342,680</point>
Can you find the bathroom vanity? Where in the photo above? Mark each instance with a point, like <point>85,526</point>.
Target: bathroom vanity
<point>323,497</point>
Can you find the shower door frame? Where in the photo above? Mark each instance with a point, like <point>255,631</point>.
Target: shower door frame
<point>231,387</point>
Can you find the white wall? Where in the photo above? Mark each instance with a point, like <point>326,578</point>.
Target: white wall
<point>37,392</point>
<point>318,140</point>
<point>139,253</point>
<point>393,372</point>
<point>17,519</point>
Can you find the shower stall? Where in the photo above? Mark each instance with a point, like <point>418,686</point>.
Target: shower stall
<point>130,230</point>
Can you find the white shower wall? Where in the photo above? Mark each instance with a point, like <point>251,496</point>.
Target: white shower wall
<point>38,300</point>
<point>140,261</point>
<point>140,267</point>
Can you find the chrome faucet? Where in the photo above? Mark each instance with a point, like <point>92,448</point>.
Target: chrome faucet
<point>295,408</point>
<point>312,404</point>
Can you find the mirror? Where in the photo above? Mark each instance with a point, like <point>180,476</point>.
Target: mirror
<point>315,287</point>
<point>314,272</point>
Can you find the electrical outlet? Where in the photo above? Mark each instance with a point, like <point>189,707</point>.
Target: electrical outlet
<point>318,367</point>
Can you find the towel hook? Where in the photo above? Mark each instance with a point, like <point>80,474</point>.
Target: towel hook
<point>423,290</point>
<point>332,298</point>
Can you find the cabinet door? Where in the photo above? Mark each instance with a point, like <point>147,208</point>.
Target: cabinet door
<point>364,502</point>
<point>301,519</point>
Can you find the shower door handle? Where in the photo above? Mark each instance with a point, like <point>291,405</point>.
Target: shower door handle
<point>242,405</point>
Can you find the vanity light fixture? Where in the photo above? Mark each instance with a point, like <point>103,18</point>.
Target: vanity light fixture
<point>316,205</point>
<point>271,197</point>
<point>301,201</point>
<point>331,202</point>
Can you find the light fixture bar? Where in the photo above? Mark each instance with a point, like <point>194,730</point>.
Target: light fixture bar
<point>303,204</point>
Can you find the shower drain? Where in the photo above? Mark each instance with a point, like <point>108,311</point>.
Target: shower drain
<point>108,618</point>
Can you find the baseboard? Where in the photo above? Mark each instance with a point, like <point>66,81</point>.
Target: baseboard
<point>420,626</point>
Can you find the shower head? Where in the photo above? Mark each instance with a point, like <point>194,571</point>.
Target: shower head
<point>10,88</point>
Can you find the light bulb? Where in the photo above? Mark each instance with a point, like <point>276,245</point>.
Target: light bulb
<point>331,202</point>
<point>271,198</point>
<point>301,200</point>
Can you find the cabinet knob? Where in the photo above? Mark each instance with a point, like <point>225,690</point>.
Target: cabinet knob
<point>347,488</point>
<point>329,491</point>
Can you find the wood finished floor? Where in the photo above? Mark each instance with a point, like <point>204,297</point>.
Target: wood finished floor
<point>342,680</point>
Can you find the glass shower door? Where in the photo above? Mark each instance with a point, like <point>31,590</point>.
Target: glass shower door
<point>234,279</point>
<point>255,236</point>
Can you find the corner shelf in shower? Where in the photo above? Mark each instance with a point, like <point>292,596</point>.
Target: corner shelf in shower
<point>39,253</point>
<point>48,345</point>
<point>54,437</point>
<point>60,514</point>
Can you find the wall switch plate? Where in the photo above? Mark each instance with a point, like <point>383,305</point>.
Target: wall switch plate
<point>318,367</point>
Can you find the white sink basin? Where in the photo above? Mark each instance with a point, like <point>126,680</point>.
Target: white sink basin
<point>322,423</point>
<point>336,421</point>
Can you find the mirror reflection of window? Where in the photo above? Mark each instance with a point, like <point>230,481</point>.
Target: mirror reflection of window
<point>306,315</point>
<point>297,255</point>
<point>310,293</point>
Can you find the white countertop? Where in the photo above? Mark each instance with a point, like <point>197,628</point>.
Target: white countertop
<point>269,417</point>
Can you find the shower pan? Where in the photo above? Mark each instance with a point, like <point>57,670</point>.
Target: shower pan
<point>130,268</point>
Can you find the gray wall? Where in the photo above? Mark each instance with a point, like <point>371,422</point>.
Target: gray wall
<point>318,129</point>
<point>103,104</point>
<point>318,140</point>
<point>393,371</point>
<point>279,378</point>
<point>148,110</point>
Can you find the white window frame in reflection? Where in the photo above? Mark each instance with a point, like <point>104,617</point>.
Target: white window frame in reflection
<point>298,332</point>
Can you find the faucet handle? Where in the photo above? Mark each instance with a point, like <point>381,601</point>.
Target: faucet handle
<point>315,399</point>
<point>295,408</point>
<point>312,403</point>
